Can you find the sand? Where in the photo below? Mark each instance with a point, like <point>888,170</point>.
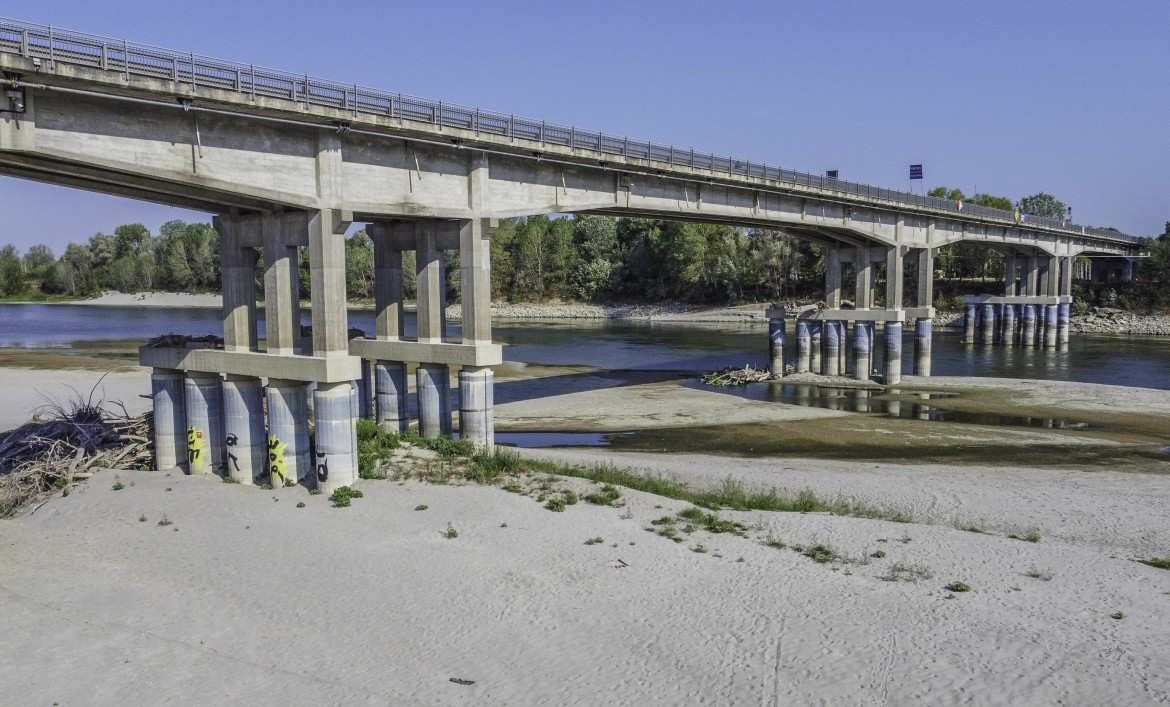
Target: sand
<point>246,598</point>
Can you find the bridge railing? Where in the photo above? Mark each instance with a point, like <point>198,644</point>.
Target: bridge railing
<point>133,59</point>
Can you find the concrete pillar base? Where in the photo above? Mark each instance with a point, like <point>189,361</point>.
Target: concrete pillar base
<point>170,419</point>
<point>365,391</point>
<point>842,349</point>
<point>1050,325</point>
<point>803,346</point>
<point>390,378</point>
<point>986,333</point>
<point>1028,326</point>
<point>969,324</point>
<point>923,335</point>
<point>433,381</point>
<point>205,433</point>
<point>1009,325</point>
<point>245,446</point>
<point>288,434</point>
<point>892,370</point>
<point>832,356</point>
<point>776,346</point>
<point>1063,320</point>
<point>862,351</point>
<point>335,457</point>
<point>477,422</point>
<point>814,347</point>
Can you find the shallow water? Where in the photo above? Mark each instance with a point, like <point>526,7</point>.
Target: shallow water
<point>1141,361</point>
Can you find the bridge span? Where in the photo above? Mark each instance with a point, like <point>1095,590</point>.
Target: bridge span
<point>287,161</point>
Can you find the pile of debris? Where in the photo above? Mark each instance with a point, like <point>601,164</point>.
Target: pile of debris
<point>738,376</point>
<point>62,447</point>
<point>182,341</point>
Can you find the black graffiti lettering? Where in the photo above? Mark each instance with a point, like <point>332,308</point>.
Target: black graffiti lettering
<point>322,466</point>
<point>232,440</point>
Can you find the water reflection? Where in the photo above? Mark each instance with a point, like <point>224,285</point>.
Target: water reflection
<point>878,402</point>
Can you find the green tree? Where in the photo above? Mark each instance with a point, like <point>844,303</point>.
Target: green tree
<point>359,266</point>
<point>38,257</point>
<point>993,202</point>
<point>1043,205</point>
<point>11,272</point>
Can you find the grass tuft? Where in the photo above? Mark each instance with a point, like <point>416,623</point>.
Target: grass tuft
<point>958,587</point>
<point>903,572</point>
<point>1162,563</point>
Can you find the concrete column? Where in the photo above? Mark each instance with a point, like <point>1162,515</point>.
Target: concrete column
<point>968,324</point>
<point>864,287</point>
<point>803,345</point>
<point>1067,266</point>
<point>846,366</point>
<point>1063,319</point>
<point>245,446</point>
<point>327,278</point>
<point>833,277</point>
<point>1050,325</point>
<point>893,353</point>
<point>335,461</point>
<point>433,382</point>
<point>388,280</point>
<point>862,351</point>
<point>926,277</point>
<point>923,333</point>
<point>987,326</point>
<point>1127,269</point>
<point>776,347</point>
<point>170,419</point>
<point>282,314</point>
<point>895,277</point>
<point>475,280</point>
<point>1032,277</point>
<point>1053,276</point>
<point>1009,276</point>
<point>288,434</point>
<point>390,380</point>
<point>205,430</point>
<point>431,282</point>
<point>476,406</point>
<point>237,274</point>
<point>832,357</point>
<point>814,346</point>
<point>1028,328</point>
<point>1041,321</point>
<point>1009,325</point>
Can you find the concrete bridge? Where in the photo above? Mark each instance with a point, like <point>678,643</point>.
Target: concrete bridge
<point>288,161</point>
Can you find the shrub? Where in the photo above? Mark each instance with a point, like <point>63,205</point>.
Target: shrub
<point>342,495</point>
<point>451,533</point>
<point>421,507</point>
<point>958,587</point>
<point>606,496</point>
<point>556,504</point>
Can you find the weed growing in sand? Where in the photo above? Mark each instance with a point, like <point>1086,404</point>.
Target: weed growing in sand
<point>775,542</point>
<point>741,559</point>
<point>607,495</point>
<point>450,533</point>
<point>168,488</point>
<point>313,492</point>
<point>699,549</point>
<point>971,529</point>
<point>164,521</point>
<point>118,485</point>
<point>342,495</point>
<point>822,554</point>
<point>230,480</point>
<point>594,541</point>
<point>879,554</point>
<point>570,498</point>
<point>1119,615</point>
<point>1162,563</point>
<point>712,523</point>
<point>421,507</point>
<point>503,525</point>
<point>268,487</point>
<point>61,482</point>
<point>289,483</point>
<point>906,539</point>
<point>903,572</point>
<point>556,504</point>
<point>142,518</point>
<point>958,587</point>
<point>1043,576</point>
<point>1032,536</point>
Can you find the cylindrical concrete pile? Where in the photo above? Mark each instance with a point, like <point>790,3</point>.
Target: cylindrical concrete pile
<point>335,464</point>
<point>923,334</point>
<point>205,432</point>
<point>476,414</point>
<point>893,353</point>
<point>288,433</point>
<point>170,419</point>
<point>434,412</point>
<point>776,347</point>
<point>245,446</point>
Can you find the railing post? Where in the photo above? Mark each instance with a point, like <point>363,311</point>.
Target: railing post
<point>672,155</point>
<point>692,158</point>
<point>52,56</point>
<point>252,67</point>
<point>356,102</point>
<point>399,107</point>
<point>175,69</point>
<point>239,81</point>
<point>477,122</point>
<point>24,42</point>
<point>440,115</point>
<point>105,58</point>
<point>306,94</point>
<point>542,133</point>
<point>572,138</point>
<point>626,147</point>
<point>192,72</point>
<point>512,127</point>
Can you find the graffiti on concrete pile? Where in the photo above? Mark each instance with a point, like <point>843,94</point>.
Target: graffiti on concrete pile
<point>277,471</point>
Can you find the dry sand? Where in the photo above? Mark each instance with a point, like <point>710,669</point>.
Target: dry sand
<point>253,600</point>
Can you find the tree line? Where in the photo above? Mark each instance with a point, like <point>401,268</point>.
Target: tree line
<point>585,258</point>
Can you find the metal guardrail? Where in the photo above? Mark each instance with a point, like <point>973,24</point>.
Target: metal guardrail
<point>133,59</point>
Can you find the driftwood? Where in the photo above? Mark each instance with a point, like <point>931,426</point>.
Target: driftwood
<point>64,445</point>
<point>210,341</point>
<point>737,376</point>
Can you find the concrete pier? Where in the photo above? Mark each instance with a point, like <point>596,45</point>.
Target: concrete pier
<point>1063,319</point>
<point>776,346</point>
<point>433,382</point>
<point>842,349</point>
<point>288,434</point>
<point>205,431</point>
<point>986,333</point>
<point>335,460</point>
<point>1009,325</point>
<point>1050,325</point>
<point>1028,327</point>
<point>892,372</point>
<point>862,350</point>
<point>803,345</point>
<point>832,355</point>
<point>391,383</point>
<point>814,348</point>
<point>170,419</point>
<point>969,324</point>
<point>366,390</point>
<point>923,334</point>
<point>476,406</point>
<point>245,445</point>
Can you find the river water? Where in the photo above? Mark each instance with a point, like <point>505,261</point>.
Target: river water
<point>1141,361</point>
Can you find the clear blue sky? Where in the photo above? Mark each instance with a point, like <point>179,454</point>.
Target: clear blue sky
<point>1010,97</point>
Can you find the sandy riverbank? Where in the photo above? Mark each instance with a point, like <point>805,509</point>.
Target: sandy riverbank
<point>247,598</point>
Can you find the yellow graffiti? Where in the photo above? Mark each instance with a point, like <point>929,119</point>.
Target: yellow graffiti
<point>196,448</point>
<point>276,465</point>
